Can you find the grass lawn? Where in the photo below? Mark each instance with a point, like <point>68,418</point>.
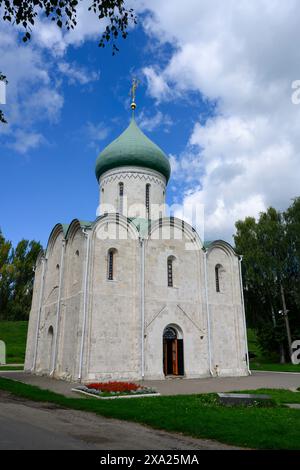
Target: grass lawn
<point>275,367</point>
<point>7,367</point>
<point>195,415</point>
<point>14,334</point>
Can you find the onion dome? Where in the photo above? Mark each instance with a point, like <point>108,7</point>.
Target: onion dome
<point>133,148</point>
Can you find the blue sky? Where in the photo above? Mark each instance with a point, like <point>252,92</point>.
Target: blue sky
<point>222,113</point>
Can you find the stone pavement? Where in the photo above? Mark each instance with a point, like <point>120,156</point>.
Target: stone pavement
<point>175,386</point>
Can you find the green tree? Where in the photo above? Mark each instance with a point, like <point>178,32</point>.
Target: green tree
<point>16,277</point>
<point>268,258</point>
<point>23,261</point>
<point>292,220</point>
<point>5,274</point>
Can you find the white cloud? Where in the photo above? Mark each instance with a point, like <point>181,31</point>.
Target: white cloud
<point>49,36</point>
<point>31,94</point>
<point>96,132</point>
<point>24,141</point>
<point>243,55</point>
<point>77,74</point>
<point>157,85</point>
<point>34,91</point>
<point>151,122</point>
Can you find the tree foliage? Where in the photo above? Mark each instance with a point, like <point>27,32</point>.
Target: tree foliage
<point>64,13</point>
<point>16,277</point>
<point>271,255</point>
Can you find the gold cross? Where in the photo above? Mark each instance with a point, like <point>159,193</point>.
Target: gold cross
<point>133,88</point>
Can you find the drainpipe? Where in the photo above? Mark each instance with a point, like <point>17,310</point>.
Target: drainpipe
<point>208,314</point>
<point>244,313</point>
<point>142,247</point>
<point>85,288</point>
<point>39,313</point>
<point>58,305</point>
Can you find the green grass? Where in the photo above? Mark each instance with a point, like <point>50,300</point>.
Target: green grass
<point>279,395</point>
<point>195,415</point>
<point>11,368</point>
<point>275,367</point>
<point>14,334</point>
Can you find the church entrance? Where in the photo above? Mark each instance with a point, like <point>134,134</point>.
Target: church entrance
<point>172,352</point>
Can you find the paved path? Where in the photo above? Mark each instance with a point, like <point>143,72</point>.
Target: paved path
<point>29,425</point>
<point>178,386</point>
<point>226,384</point>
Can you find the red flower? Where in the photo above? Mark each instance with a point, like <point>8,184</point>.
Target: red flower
<point>114,386</point>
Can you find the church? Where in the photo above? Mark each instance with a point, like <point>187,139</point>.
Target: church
<point>135,294</point>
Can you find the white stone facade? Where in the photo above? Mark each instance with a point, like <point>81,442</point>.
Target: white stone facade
<point>132,202</point>
<point>106,291</point>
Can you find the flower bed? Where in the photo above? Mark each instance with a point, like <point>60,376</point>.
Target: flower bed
<point>115,389</point>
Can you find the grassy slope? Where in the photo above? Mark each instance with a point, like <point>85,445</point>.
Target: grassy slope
<point>14,334</point>
<point>195,415</point>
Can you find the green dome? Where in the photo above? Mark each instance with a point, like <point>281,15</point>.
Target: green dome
<point>133,148</point>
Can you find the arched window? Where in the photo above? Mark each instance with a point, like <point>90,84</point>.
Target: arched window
<point>169,333</point>
<point>170,263</point>
<point>147,200</point>
<point>217,277</point>
<point>121,194</point>
<point>111,264</point>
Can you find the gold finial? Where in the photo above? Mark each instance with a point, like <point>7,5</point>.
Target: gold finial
<point>133,88</point>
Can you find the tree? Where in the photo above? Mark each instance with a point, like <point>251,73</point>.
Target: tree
<point>16,278</point>
<point>64,14</point>
<point>292,220</point>
<point>23,261</point>
<point>269,260</point>
<point>5,274</point>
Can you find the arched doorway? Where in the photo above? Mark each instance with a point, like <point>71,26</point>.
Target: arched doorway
<point>172,351</point>
<point>50,347</point>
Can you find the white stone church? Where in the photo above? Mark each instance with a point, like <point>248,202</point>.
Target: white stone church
<point>135,294</point>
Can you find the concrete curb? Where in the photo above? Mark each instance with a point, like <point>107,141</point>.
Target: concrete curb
<point>141,395</point>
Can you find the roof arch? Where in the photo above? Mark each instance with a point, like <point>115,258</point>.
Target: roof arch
<point>118,219</point>
<point>76,225</point>
<point>57,230</point>
<point>223,245</point>
<point>179,224</point>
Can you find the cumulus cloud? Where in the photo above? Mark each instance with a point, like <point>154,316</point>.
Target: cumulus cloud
<point>244,56</point>
<point>25,141</point>
<point>96,132</point>
<point>76,74</point>
<point>157,85</point>
<point>157,120</point>
<point>34,70</point>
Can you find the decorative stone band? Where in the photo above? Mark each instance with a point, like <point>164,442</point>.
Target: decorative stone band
<point>122,173</point>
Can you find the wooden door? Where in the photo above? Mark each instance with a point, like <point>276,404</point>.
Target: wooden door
<point>165,352</point>
<point>174,357</point>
